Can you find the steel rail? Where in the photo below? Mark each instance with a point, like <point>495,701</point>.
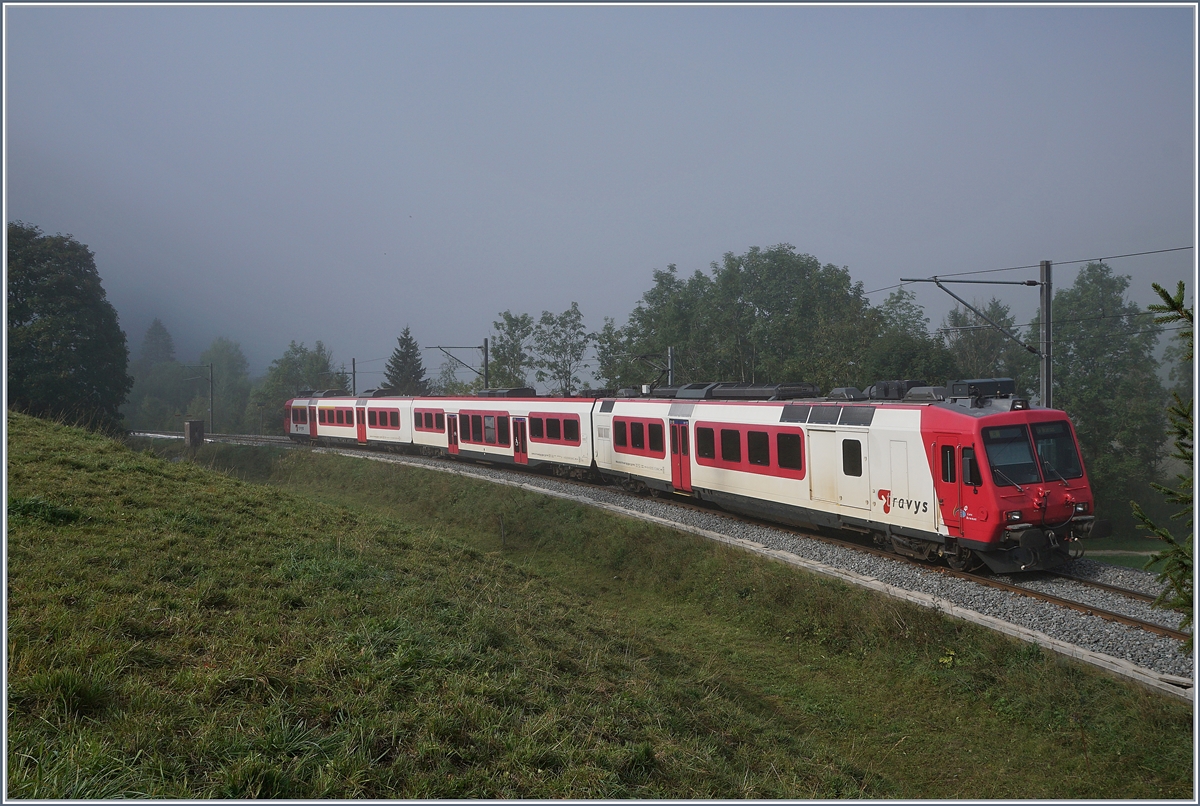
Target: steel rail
<point>1091,583</point>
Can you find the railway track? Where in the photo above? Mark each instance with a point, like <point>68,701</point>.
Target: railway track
<point>1091,583</point>
<point>854,545</point>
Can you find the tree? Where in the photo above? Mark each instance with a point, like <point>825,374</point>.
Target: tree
<point>1105,378</point>
<point>158,397</point>
<point>231,385</point>
<point>559,344</point>
<point>981,351</point>
<point>768,316</point>
<point>1177,558</point>
<point>405,374</point>
<point>447,382</point>
<point>510,356</point>
<point>157,344</point>
<point>297,369</point>
<point>617,363</point>
<point>67,355</point>
<point>903,347</point>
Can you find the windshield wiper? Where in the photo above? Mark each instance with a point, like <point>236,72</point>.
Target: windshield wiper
<point>1053,470</point>
<point>1004,476</point>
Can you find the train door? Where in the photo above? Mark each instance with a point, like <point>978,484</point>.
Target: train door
<point>854,482</point>
<point>823,459</point>
<point>947,481</point>
<point>681,460</point>
<point>312,422</point>
<point>838,468</point>
<point>452,434</point>
<point>360,420</point>
<point>520,445</point>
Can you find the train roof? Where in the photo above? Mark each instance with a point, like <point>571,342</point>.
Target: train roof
<point>978,397</point>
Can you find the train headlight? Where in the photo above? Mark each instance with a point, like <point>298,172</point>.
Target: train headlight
<point>1013,517</point>
<point>1081,508</point>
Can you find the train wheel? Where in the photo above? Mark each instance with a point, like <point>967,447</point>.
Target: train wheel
<point>964,560</point>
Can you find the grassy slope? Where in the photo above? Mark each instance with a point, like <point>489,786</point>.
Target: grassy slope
<point>367,632</point>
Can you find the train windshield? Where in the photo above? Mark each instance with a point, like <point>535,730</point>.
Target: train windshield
<point>1056,451</point>
<point>1010,455</point>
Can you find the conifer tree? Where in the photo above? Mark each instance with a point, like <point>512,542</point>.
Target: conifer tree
<point>404,372</point>
<point>157,345</point>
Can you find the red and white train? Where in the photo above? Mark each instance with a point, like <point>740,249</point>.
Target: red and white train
<point>970,473</point>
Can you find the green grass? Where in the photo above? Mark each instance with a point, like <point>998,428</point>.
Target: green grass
<point>356,629</point>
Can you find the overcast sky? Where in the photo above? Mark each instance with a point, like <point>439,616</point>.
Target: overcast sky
<point>283,173</point>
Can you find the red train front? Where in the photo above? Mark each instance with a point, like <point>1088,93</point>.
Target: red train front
<point>1010,484</point>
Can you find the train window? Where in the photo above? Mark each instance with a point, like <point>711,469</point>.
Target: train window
<point>731,445</point>
<point>341,418</point>
<point>970,468</point>
<point>1056,451</point>
<point>439,421</point>
<point>656,437</point>
<point>502,429</point>
<point>553,428</point>
<point>394,418</point>
<point>787,447</point>
<point>683,444</point>
<point>571,430</point>
<point>851,457</point>
<point>948,470</point>
<point>464,427</point>
<point>758,448</point>
<point>1010,455</point>
<point>295,415</point>
<point>429,420</point>
<point>824,415</point>
<point>320,415</point>
<point>705,443</point>
<point>371,417</point>
<point>535,428</point>
<point>476,428</point>
<point>794,414</point>
<point>674,442</point>
<point>857,415</point>
<point>489,429</point>
<point>619,430</point>
<point>637,435</point>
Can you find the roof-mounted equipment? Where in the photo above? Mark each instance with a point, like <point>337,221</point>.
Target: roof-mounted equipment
<point>892,390</point>
<point>927,394</point>
<point>523,391</point>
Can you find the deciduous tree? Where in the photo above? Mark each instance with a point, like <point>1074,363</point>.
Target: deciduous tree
<point>1106,379</point>
<point>67,355</point>
<point>510,358</point>
<point>559,344</point>
<point>231,384</point>
<point>299,368</point>
<point>981,351</point>
<point>903,347</point>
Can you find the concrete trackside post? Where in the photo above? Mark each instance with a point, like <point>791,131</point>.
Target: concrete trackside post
<point>193,433</point>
